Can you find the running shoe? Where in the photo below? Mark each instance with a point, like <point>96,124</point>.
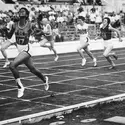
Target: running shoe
<point>115,56</point>
<point>112,66</point>
<point>83,62</point>
<point>46,86</point>
<point>20,92</point>
<point>95,62</point>
<point>6,64</point>
<point>56,58</point>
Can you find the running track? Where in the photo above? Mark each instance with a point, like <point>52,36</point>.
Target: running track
<point>69,81</point>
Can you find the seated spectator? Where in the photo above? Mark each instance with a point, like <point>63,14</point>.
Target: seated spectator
<point>57,34</point>
<point>60,18</point>
<point>51,16</point>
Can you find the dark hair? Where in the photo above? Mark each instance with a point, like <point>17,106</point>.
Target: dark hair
<point>2,21</point>
<point>80,9</point>
<point>82,18</point>
<point>27,11</point>
<point>108,20</point>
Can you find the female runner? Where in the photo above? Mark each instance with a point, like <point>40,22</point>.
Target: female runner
<point>23,30</point>
<point>48,37</point>
<point>82,29</point>
<point>7,42</point>
<point>2,32</point>
<point>106,31</point>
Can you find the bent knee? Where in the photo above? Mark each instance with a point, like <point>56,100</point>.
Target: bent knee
<point>33,70</point>
<point>78,49</point>
<point>11,66</point>
<point>105,55</point>
<point>42,44</point>
<point>2,48</point>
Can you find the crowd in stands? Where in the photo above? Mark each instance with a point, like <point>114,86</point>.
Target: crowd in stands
<point>88,2</point>
<point>62,16</point>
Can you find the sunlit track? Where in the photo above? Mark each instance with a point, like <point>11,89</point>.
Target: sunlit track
<point>76,57</point>
<point>85,69</point>
<point>79,64</point>
<point>6,76</point>
<point>67,60</point>
<point>71,79</point>
<point>68,89</point>
<point>24,100</point>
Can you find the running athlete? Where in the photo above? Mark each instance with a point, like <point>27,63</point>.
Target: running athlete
<point>106,30</point>
<point>23,30</point>
<point>82,29</point>
<point>7,42</point>
<point>48,37</point>
<point>2,33</point>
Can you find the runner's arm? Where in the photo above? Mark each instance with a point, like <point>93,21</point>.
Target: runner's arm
<point>117,31</point>
<point>10,33</point>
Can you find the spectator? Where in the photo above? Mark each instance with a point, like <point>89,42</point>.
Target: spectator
<point>92,17</point>
<point>82,12</point>
<point>51,16</point>
<point>60,18</point>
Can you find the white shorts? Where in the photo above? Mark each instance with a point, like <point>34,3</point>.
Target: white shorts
<point>2,40</point>
<point>84,39</point>
<point>25,48</point>
<point>107,43</point>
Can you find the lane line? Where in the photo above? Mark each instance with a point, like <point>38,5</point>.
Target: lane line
<point>118,97</point>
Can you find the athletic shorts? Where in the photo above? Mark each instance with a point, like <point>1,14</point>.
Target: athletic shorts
<point>25,48</point>
<point>84,39</point>
<point>2,40</point>
<point>49,37</point>
<point>107,43</point>
<point>13,39</point>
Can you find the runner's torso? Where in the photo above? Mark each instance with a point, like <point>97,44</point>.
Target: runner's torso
<point>23,33</point>
<point>82,29</point>
<point>106,33</point>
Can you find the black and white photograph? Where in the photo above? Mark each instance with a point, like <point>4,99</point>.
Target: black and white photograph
<point>62,62</point>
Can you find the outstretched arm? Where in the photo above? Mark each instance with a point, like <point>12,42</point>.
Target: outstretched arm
<point>117,31</point>
<point>35,30</point>
<point>9,34</point>
<point>98,36</point>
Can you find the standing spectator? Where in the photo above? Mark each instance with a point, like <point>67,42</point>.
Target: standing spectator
<point>92,17</point>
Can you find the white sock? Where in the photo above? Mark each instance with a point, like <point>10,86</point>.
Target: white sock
<point>19,82</point>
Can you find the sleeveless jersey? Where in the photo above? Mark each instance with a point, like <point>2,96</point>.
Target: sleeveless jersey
<point>23,33</point>
<point>82,30</point>
<point>45,29</point>
<point>106,33</point>
<point>2,33</point>
<point>48,33</point>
